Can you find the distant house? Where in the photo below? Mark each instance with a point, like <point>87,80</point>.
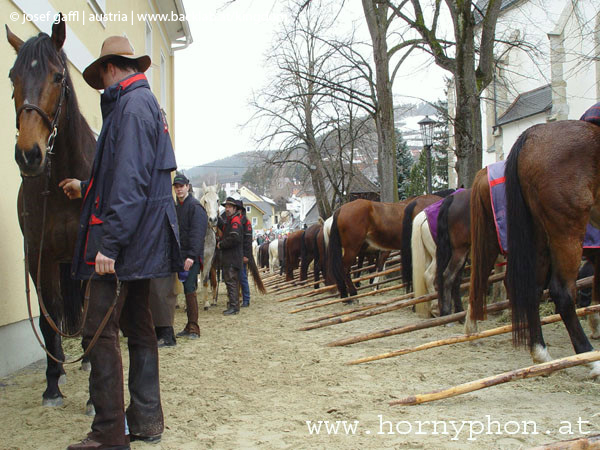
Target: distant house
<point>255,214</point>
<point>264,205</point>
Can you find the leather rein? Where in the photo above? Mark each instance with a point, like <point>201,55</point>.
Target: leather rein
<point>53,127</point>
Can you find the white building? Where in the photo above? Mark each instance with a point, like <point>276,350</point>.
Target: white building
<point>553,74</point>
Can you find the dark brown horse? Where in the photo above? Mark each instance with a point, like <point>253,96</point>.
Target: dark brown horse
<point>281,253</point>
<point>307,249</point>
<point>47,110</point>
<point>379,225</point>
<point>414,207</point>
<point>293,249</point>
<point>452,249</point>
<point>263,255</point>
<point>485,248</point>
<point>552,192</point>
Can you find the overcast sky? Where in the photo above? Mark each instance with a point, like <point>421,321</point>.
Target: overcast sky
<point>216,75</point>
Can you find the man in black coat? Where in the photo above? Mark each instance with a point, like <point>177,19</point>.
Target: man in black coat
<point>247,246</point>
<point>232,254</point>
<point>193,222</point>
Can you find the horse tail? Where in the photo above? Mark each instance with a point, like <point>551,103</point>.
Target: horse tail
<point>72,294</point>
<point>303,257</point>
<point>317,259</point>
<point>418,260</point>
<point>334,258</point>
<point>521,266</point>
<point>479,250</point>
<point>283,258</point>
<point>256,275</point>
<point>406,253</point>
<point>443,251</point>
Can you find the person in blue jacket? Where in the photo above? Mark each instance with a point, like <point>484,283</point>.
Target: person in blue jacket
<point>128,235</point>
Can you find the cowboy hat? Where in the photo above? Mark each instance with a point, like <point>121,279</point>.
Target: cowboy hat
<point>113,46</point>
<point>230,201</point>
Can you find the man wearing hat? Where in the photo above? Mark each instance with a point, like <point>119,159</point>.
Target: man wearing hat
<point>231,254</point>
<point>247,246</point>
<point>128,235</point>
<point>193,222</point>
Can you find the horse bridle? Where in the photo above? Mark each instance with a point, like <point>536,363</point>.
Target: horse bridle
<point>51,124</point>
<point>53,127</point>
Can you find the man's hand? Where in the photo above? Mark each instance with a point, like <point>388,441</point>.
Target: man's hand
<point>71,187</point>
<point>104,264</point>
<point>188,264</point>
<point>245,260</point>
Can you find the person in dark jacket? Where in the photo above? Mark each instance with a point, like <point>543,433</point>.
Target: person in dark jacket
<point>128,235</point>
<point>247,246</point>
<point>193,221</point>
<point>232,254</point>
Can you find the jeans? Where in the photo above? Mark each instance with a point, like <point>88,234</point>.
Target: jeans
<point>191,283</point>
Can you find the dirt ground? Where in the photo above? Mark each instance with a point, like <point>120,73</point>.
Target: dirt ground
<point>253,381</point>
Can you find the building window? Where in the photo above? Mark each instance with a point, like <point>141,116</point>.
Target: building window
<point>248,209</point>
<point>149,51</point>
<point>254,221</point>
<point>163,81</point>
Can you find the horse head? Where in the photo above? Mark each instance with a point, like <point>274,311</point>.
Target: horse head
<point>210,201</point>
<point>40,84</point>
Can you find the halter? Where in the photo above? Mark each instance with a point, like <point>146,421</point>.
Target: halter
<point>51,124</point>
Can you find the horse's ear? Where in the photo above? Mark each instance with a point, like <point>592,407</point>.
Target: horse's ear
<point>59,32</point>
<point>13,39</point>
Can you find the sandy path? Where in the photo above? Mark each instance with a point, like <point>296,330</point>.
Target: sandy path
<point>252,381</point>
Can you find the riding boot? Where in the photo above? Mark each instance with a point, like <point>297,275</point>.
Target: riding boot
<point>191,302</point>
<point>144,414</point>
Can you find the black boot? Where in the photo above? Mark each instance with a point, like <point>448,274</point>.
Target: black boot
<point>166,336</point>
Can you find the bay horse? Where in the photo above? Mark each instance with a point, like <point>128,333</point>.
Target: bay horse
<point>210,202</point>
<point>379,225</point>
<point>47,113</point>
<point>293,249</point>
<point>307,249</point>
<point>552,192</point>
<point>452,250</point>
<point>263,255</point>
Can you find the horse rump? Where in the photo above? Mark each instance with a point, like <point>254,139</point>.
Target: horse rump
<point>334,256</point>
<point>406,253</point>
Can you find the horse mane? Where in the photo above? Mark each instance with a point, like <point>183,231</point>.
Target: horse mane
<point>406,253</point>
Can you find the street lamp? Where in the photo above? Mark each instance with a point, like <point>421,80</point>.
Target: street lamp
<point>426,126</point>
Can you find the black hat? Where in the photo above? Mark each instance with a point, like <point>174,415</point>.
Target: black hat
<point>180,179</point>
<point>231,201</point>
<point>239,204</point>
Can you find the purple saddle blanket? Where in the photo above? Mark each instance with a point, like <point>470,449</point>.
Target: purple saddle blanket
<point>432,212</point>
<point>592,115</point>
<point>497,184</point>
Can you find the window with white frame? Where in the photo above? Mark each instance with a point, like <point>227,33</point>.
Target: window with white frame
<point>254,221</point>
<point>149,51</point>
<point>248,209</point>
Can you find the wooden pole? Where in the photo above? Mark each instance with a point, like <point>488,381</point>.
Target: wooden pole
<point>329,288</point>
<point>469,337</point>
<point>415,326</point>
<point>361,288</point>
<point>352,297</point>
<point>519,374</point>
<point>584,443</point>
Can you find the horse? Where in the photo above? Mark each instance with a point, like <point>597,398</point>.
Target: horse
<point>423,262</point>
<point>281,253</point>
<point>273,255</point>
<point>210,202</point>
<point>453,247</point>
<point>307,249</point>
<point>414,207</point>
<point>54,142</point>
<point>263,255</point>
<point>379,225</point>
<point>293,246</point>
<point>547,223</point>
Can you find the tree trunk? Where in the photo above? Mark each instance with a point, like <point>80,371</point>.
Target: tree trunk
<point>376,16</point>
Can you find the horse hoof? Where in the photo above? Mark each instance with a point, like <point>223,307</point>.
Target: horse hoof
<point>62,379</point>
<point>52,402</point>
<point>86,366</point>
<point>90,411</point>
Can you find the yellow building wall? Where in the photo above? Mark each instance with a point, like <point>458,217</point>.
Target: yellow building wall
<point>12,295</point>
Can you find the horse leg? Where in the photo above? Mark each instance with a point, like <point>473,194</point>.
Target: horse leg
<point>52,395</point>
<point>594,319</point>
<point>451,282</point>
<point>562,291</point>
